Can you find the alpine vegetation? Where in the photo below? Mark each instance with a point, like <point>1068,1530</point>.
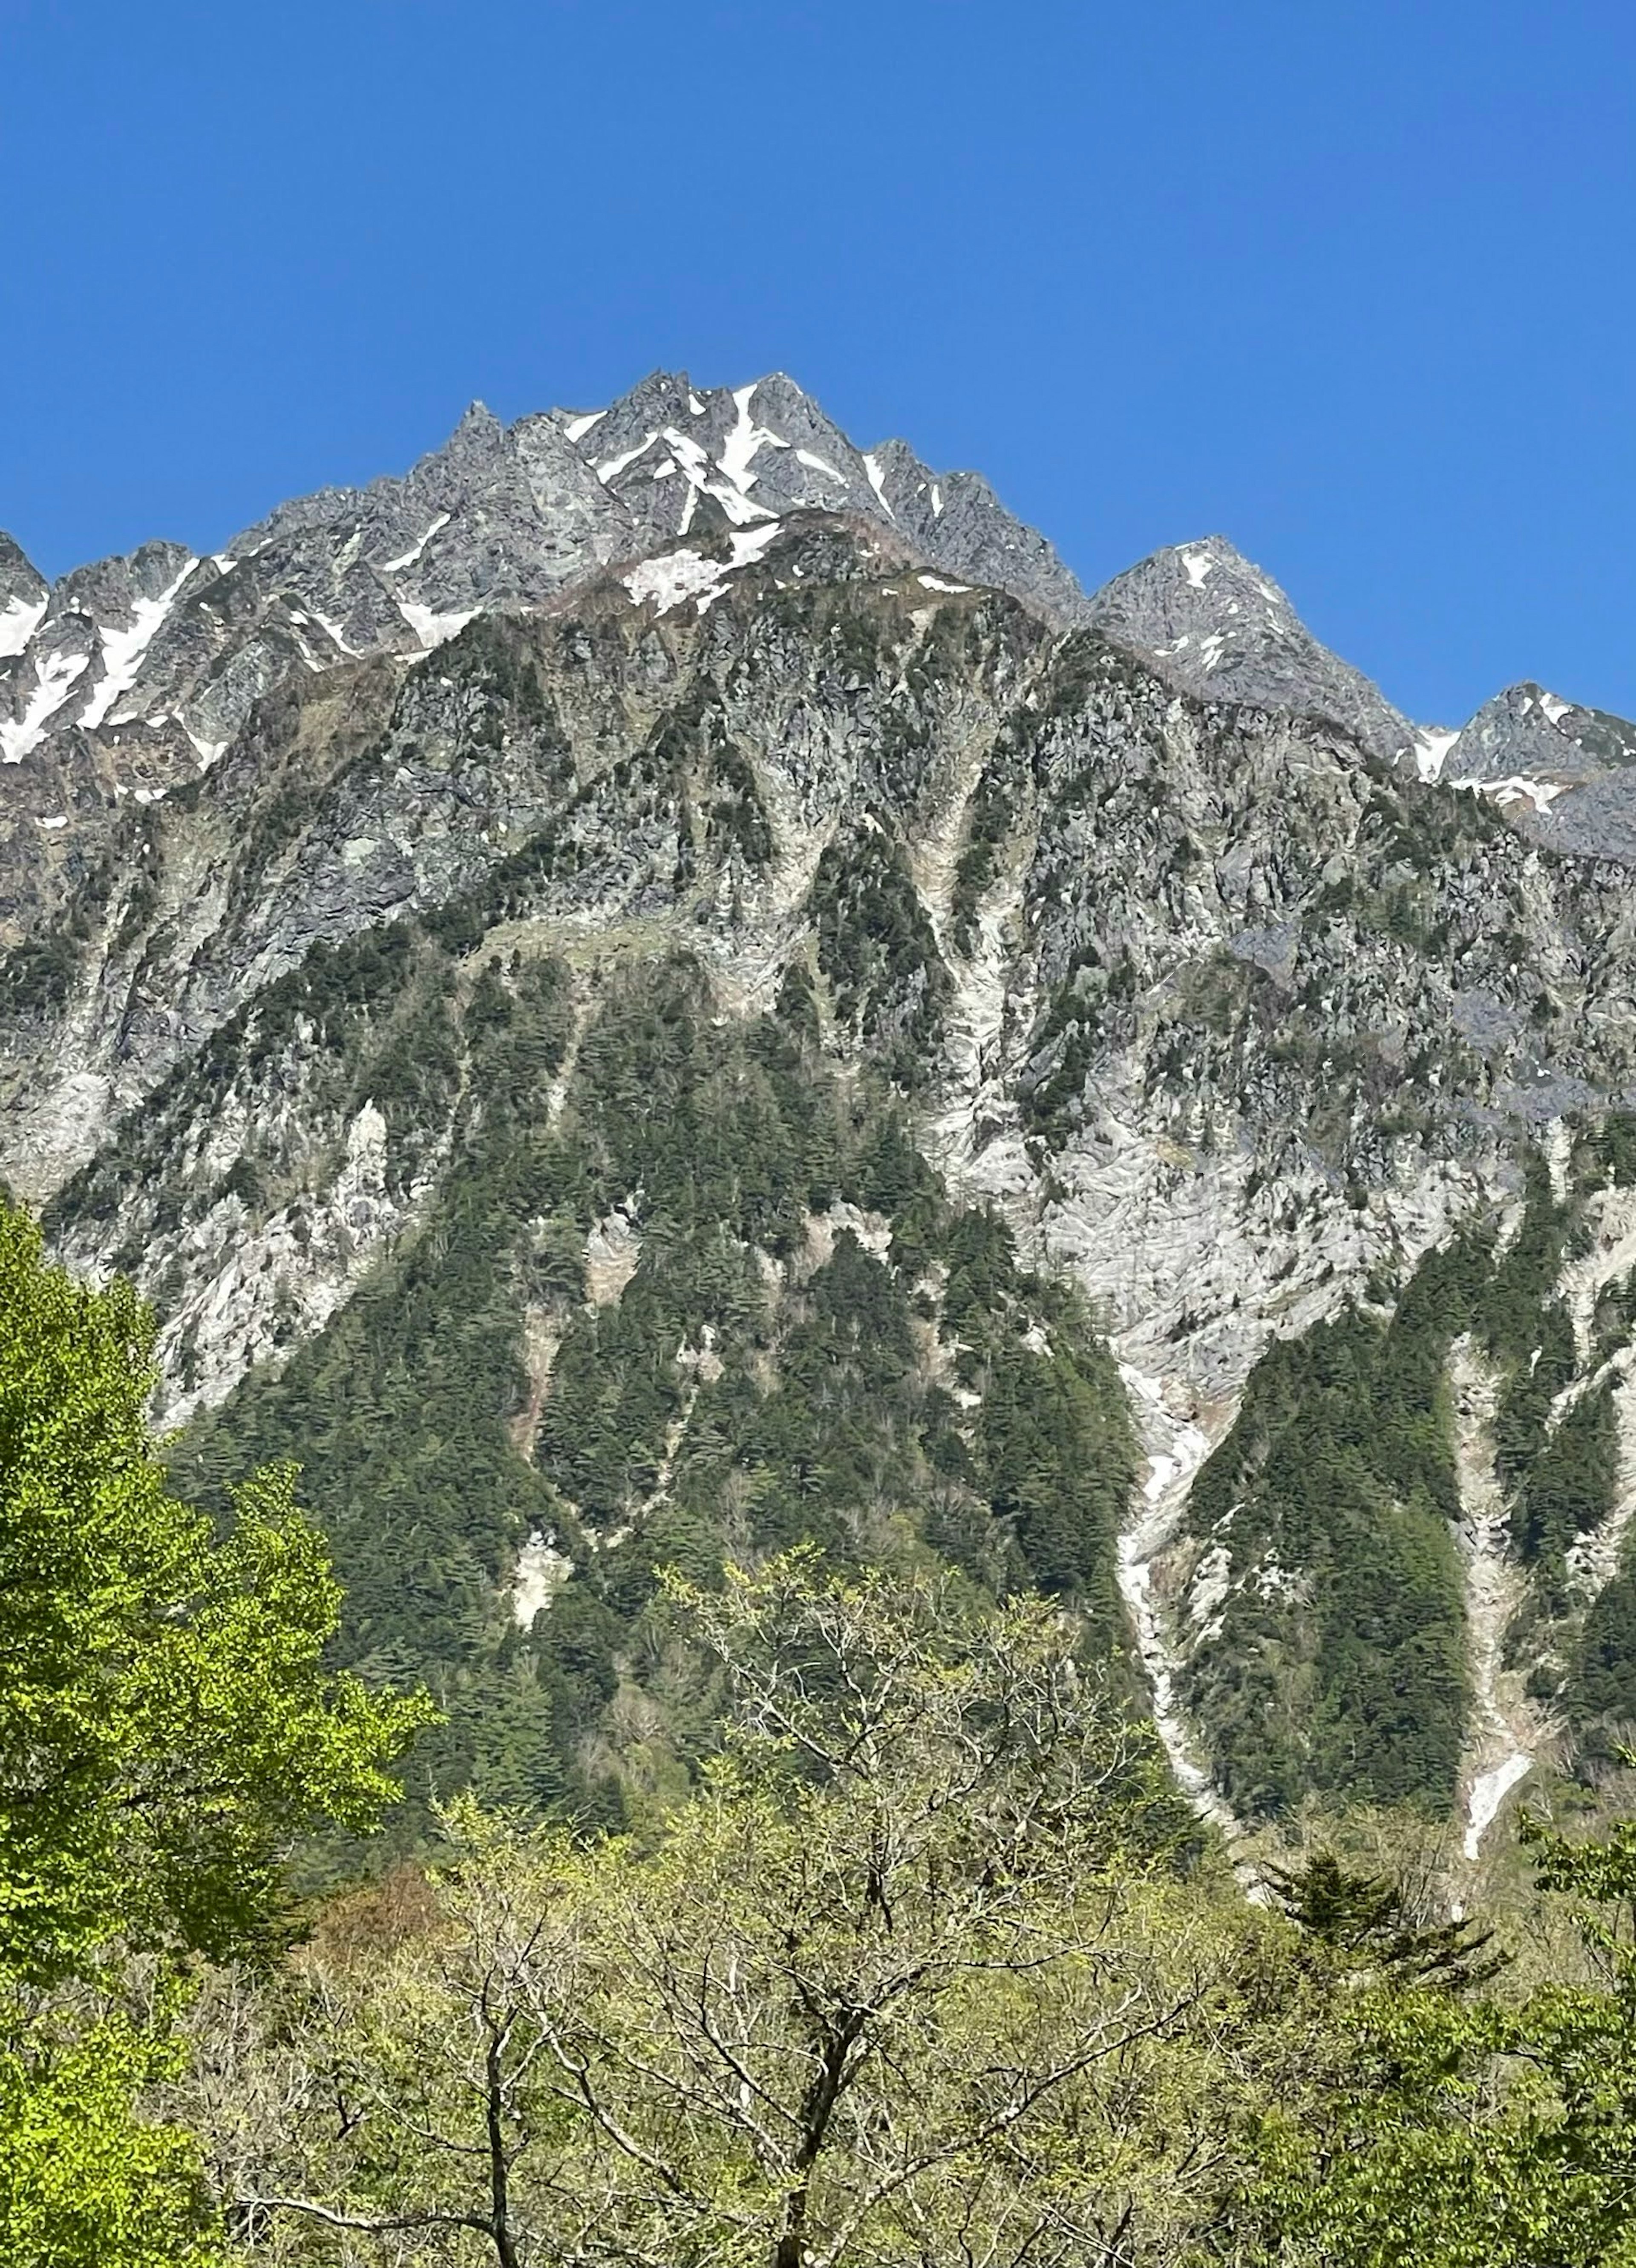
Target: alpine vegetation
<point>947,1270</point>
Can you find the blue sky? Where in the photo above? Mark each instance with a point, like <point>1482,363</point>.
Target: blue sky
<point>1352,285</point>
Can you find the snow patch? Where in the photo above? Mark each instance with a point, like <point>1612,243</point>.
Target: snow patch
<point>433,629</point>
<point>542,1572</point>
<point>1489,1790</point>
<point>53,680</point>
<point>1198,566</point>
<point>745,442</point>
<point>931,583</point>
<point>208,752</point>
<point>57,818</point>
<point>611,467</point>
<point>1517,789</point>
<point>1431,750</point>
<point>817,464</point>
<point>1555,709</point>
<point>122,650</point>
<point>878,481</point>
<point>409,557</point>
<point>18,622</point>
<point>577,428</point>
<point>324,623</point>
<point>679,575</point>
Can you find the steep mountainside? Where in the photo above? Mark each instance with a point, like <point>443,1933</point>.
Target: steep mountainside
<point>660,985</point>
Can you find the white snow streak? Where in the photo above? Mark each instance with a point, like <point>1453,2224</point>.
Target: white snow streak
<point>611,467</point>
<point>324,623</point>
<point>1489,1790</point>
<point>687,574</point>
<point>1539,792</point>
<point>1431,750</point>
<point>18,622</point>
<point>577,428</point>
<point>806,457</point>
<point>408,558</point>
<point>937,501</point>
<point>1555,709</point>
<point>1164,1494</point>
<point>57,818</point>
<point>54,677</point>
<point>932,583</point>
<point>122,650</point>
<point>743,443</point>
<point>704,478</point>
<point>208,752</point>
<point>432,629</point>
<point>871,466</point>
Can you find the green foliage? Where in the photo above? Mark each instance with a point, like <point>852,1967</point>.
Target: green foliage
<point>1475,2134</point>
<point>875,946</point>
<point>1362,1918</point>
<point>86,2181</point>
<point>166,1721</point>
<point>989,821</point>
<point>1340,1663</point>
<point>169,1727</point>
<point>399,1414</point>
<point>764,1377</point>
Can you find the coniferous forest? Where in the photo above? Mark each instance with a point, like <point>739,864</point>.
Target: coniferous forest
<point>808,1888</point>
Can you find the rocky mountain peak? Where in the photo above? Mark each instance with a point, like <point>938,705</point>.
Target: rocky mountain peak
<point>24,593</point>
<point>1221,628</point>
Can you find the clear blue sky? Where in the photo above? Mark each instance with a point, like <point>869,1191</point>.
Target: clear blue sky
<point>1352,285</point>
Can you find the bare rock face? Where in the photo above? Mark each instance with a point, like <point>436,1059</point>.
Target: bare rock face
<point>1224,631</point>
<point>1231,991</point>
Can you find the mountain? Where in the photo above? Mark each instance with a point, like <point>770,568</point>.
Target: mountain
<point>660,985</point>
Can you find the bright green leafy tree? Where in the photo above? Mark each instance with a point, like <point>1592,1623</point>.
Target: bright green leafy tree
<point>168,1726</point>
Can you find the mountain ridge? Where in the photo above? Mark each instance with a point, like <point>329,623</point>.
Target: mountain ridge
<point>1223,1009</point>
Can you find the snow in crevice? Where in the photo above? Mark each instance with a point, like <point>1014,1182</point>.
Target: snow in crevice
<point>706,478</point>
<point>123,651</point>
<point>431,627</point>
<point>1176,1449</point>
<point>1516,789</point>
<point>745,442</point>
<point>611,467</point>
<point>818,465</point>
<point>678,576</point>
<point>1431,745</point>
<point>1555,710</point>
<point>409,557</point>
<point>542,1572</point>
<point>53,682</point>
<point>1505,1732</point>
<point>576,428</point>
<point>333,628</point>
<point>1198,566</point>
<point>878,481</point>
<point>933,582</point>
<point>208,752</point>
<point>18,622</point>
